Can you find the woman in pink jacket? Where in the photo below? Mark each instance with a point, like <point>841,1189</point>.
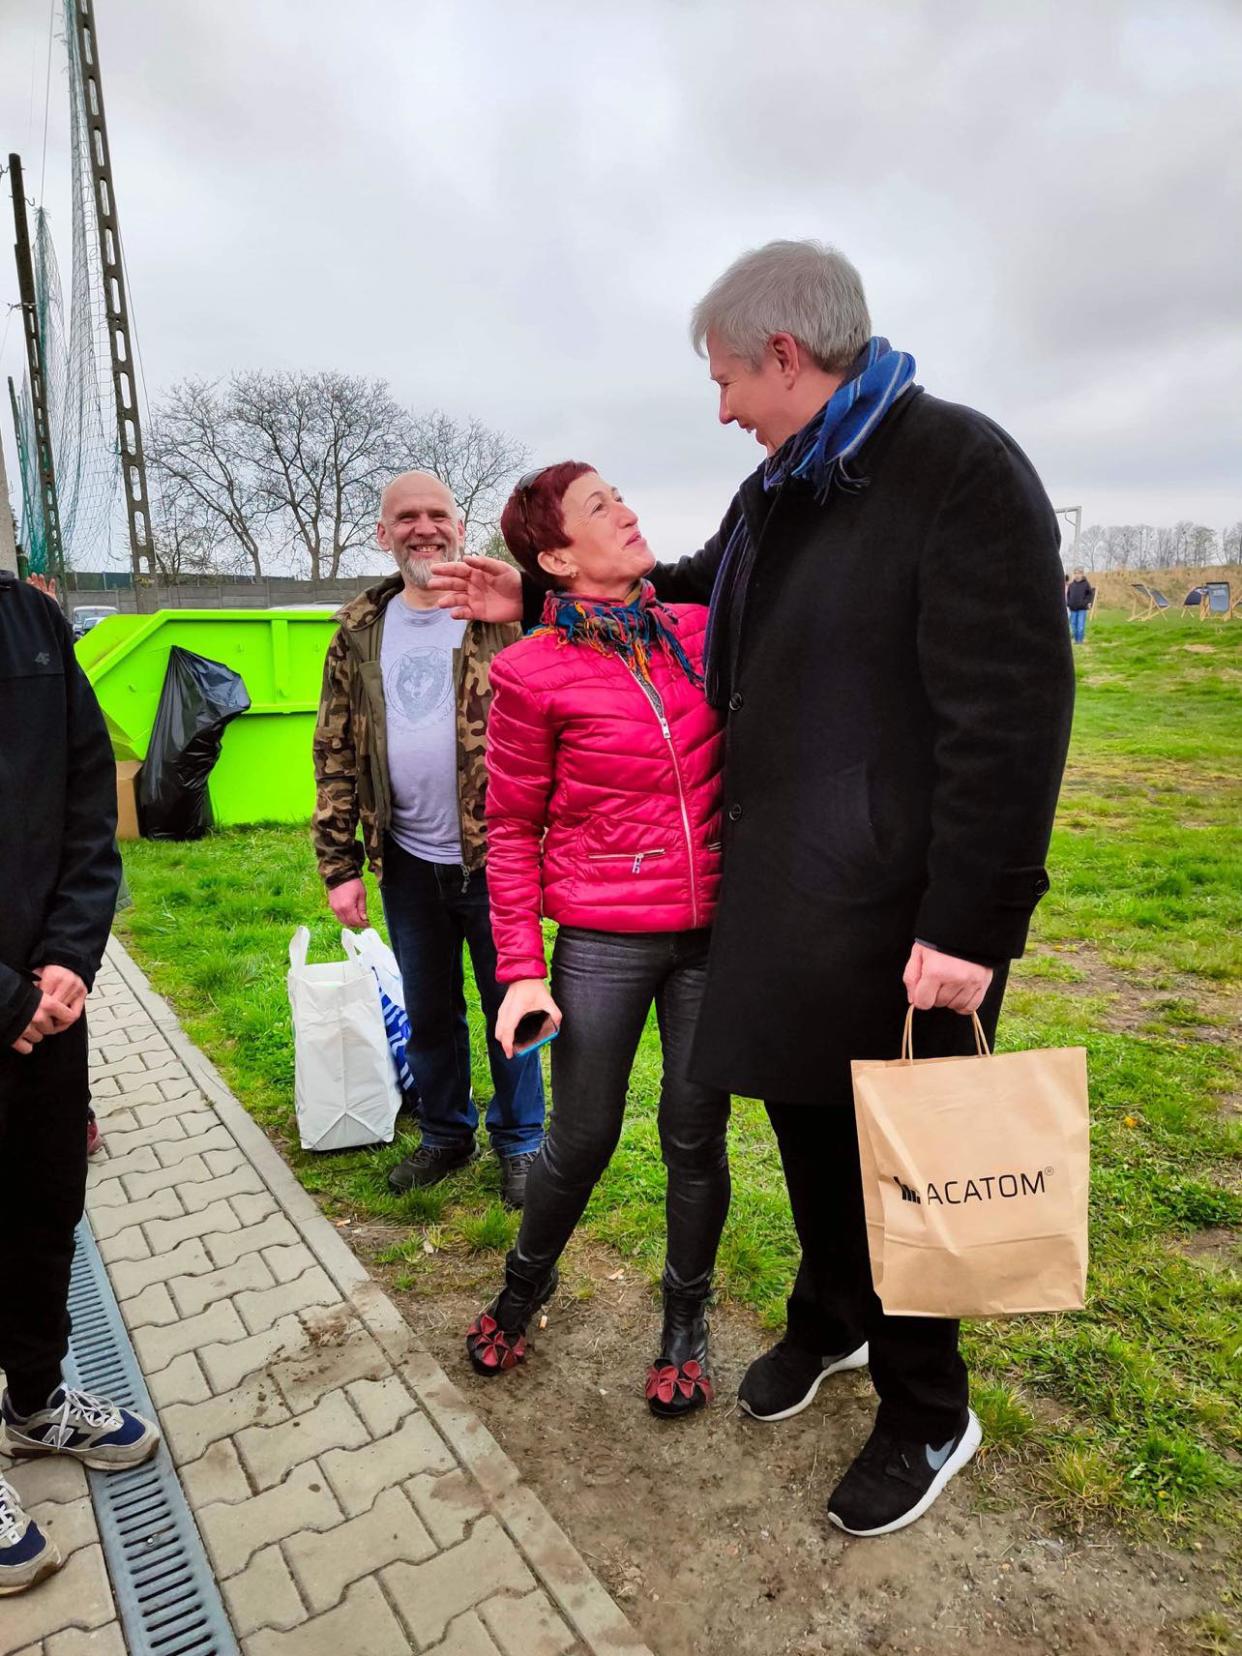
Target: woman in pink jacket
<point>603,811</point>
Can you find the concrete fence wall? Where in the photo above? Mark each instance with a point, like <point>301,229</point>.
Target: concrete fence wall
<point>272,592</point>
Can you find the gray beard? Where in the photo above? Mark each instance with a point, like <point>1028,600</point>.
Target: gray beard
<point>416,571</point>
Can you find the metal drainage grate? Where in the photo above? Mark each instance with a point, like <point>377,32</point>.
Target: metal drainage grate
<point>165,1590</point>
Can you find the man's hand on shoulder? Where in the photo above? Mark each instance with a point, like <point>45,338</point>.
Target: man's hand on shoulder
<point>935,979</point>
<point>479,589</point>
<point>348,901</point>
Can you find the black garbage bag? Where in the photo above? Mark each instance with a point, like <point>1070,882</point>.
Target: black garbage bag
<point>199,698</point>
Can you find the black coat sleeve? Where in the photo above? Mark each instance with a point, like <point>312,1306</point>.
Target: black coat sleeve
<point>79,915</point>
<point>19,1001</point>
<point>996,666</point>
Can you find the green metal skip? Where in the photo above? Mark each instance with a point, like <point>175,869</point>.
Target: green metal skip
<point>264,772</point>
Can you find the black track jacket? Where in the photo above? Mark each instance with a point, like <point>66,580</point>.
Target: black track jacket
<point>59,866</point>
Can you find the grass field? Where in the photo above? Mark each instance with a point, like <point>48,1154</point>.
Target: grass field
<point>1131,1410</point>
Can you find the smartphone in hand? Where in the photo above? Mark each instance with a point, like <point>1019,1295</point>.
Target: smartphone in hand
<point>534,1029</point>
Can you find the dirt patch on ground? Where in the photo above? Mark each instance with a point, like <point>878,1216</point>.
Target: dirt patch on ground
<point>1219,1243</point>
<point>711,1531</point>
<point>1135,1008</point>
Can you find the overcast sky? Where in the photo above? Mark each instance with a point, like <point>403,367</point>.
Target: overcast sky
<point>508,211</point>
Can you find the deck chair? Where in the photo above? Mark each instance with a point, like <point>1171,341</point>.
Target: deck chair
<point>1217,600</point>
<point>1192,601</point>
<point>1147,602</point>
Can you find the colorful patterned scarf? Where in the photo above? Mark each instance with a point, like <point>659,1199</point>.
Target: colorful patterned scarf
<point>630,631</point>
<point>819,454</point>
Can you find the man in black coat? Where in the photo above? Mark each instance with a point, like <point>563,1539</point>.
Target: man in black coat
<point>61,868</point>
<point>888,637</point>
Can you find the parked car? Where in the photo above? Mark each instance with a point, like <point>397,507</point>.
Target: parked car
<point>86,616</point>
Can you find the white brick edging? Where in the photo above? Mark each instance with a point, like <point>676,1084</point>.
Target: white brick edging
<point>581,1598</point>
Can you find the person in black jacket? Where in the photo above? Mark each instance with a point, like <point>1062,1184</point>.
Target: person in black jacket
<point>1079,597</point>
<point>888,637</point>
<point>58,853</point>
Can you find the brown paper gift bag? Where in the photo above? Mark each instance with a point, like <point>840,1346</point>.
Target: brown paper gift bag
<point>975,1178</point>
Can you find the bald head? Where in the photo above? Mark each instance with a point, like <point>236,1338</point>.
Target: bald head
<point>415,482</point>
<point>420,525</point>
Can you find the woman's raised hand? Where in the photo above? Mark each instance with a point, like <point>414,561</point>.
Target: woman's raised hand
<point>526,995</point>
<point>478,589</point>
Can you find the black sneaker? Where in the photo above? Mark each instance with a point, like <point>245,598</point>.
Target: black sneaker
<point>784,1380</point>
<point>514,1172</point>
<point>428,1165</point>
<point>895,1480</point>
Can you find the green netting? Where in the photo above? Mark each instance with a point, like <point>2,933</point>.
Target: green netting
<point>81,416</point>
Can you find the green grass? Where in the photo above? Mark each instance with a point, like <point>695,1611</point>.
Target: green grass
<point>1130,1410</point>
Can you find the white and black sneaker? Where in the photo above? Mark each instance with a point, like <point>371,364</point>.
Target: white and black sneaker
<point>785,1379</point>
<point>26,1554</point>
<point>894,1480</point>
<point>92,1430</point>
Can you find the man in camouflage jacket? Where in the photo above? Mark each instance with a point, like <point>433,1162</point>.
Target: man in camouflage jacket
<point>399,750</point>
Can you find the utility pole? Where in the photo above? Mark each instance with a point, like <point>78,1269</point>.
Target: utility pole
<point>36,369</point>
<point>116,308</point>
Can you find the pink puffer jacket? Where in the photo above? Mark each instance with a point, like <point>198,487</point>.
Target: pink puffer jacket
<point>603,808</point>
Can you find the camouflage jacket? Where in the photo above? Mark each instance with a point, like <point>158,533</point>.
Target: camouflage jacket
<point>351,739</point>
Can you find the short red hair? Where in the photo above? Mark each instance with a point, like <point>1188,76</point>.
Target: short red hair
<point>533,522</point>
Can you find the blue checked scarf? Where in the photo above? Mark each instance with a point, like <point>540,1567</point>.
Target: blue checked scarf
<point>820,454</point>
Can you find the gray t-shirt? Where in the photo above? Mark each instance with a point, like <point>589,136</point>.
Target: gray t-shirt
<point>416,660</point>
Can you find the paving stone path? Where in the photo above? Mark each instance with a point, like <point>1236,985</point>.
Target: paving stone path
<point>351,1502</point>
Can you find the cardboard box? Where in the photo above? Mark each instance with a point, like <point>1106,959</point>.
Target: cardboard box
<point>127,798</point>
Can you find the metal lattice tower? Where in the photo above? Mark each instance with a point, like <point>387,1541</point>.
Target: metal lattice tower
<point>89,415</point>
<point>87,89</point>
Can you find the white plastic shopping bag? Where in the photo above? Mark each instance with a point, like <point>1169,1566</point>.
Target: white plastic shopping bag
<point>369,947</point>
<point>345,1091</point>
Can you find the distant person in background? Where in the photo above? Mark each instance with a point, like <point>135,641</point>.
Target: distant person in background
<point>399,747</point>
<point>1079,597</point>
<point>58,853</point>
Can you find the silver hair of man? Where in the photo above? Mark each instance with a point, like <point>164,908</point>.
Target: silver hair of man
<point>801,288</point>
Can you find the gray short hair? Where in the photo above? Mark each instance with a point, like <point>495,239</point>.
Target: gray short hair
<point>796,287</point>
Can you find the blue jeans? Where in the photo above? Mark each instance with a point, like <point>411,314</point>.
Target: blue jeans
<point>1078,625</point>
<point>433,909</point>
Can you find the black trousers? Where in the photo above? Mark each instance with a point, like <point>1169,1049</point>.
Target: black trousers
<point>44,1098</point>
<point>605,984</point>
<point>915,1366</point>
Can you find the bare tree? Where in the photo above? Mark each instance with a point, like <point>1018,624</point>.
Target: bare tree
<point>1140,546</point>
<point>187,542</point>
<point>322,447</point>
<point>290,466</point>
<point>203,478</point>
<point>477,463</point>
<point>1093,547</point>
<point>1202,541</point>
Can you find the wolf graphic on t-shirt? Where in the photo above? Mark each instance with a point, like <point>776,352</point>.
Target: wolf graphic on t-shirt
<point>418,684</point>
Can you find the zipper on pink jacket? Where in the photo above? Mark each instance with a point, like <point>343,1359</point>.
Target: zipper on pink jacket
<point>657,707</point>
